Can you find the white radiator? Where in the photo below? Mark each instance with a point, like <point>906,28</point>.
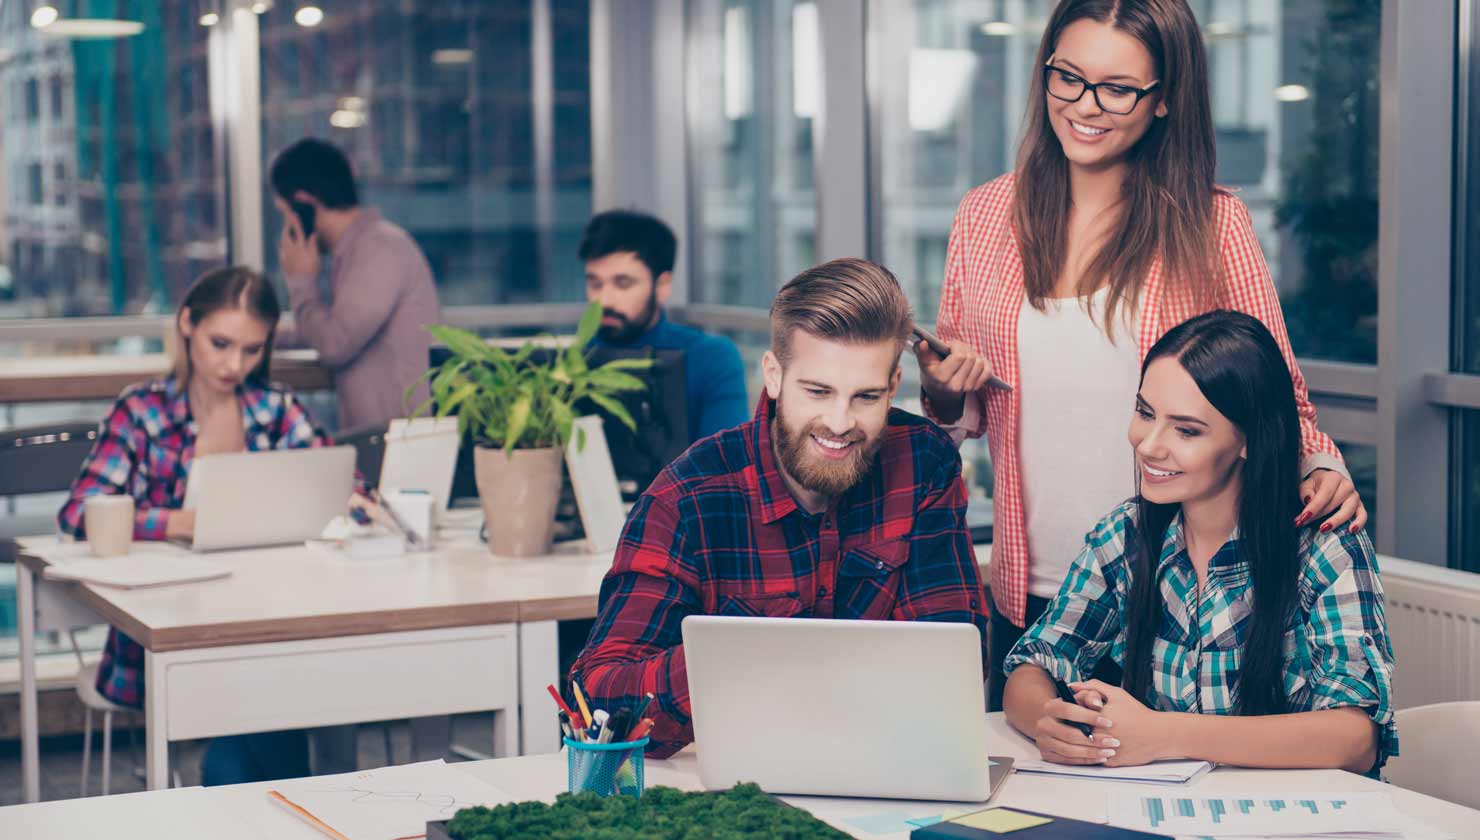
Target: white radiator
<point>1433,617</point>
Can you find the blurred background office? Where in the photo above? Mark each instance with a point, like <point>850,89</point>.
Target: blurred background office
<point>770,135</point>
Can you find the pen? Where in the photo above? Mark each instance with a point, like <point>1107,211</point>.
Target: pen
<point>581,701</point>
<point>641,708</point>
<point>943,350</point>
<point>560,701</point>
<point>598,720</point>
<point>1068,697</point>
<point>617,725</point>
<point>395,518</point>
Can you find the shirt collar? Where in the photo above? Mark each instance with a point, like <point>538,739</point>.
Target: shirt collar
<point>366,218</point>
<point>775,497</point>
<point>1174,546</point>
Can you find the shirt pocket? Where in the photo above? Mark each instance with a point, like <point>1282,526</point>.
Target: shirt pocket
<point>868,579</point>
<point>766,605</point>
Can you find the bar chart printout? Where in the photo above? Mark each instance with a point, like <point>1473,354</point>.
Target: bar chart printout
<point>1364,814</point>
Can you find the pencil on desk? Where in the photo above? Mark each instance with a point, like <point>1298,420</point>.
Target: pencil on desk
<point>581,701</point>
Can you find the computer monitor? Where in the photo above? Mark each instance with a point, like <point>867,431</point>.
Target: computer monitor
<point>660,411</point>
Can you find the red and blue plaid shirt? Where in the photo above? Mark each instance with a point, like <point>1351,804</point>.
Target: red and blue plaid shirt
<point>719,533</point>
<point>144,449</point>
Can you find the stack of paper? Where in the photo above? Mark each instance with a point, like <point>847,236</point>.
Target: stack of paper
<point>1339,816</point>
<point>391,803</point>
<point>1159,772</point>
<point>146,564</point>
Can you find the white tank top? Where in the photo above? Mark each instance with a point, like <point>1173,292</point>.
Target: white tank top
<point>1077,393</point>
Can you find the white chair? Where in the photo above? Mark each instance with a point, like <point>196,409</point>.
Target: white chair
<point>87,692</point>
<point>1438,744</point>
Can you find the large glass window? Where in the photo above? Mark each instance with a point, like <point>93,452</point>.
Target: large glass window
<point>1295,105</point>
<point>454,129</point>
<point>753,93</point>
<point>111,189</point>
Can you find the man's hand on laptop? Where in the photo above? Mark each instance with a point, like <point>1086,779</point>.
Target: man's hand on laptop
<point>180,525</point>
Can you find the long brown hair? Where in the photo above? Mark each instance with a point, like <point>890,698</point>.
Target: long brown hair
<point>232,287</point>
<point>1167,197</point>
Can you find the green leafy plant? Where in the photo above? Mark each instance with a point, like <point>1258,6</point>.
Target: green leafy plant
<point>661,813</point>
<point>514,400</point>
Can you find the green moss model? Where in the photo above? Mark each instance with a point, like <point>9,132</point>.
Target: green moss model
<point>744,811</point>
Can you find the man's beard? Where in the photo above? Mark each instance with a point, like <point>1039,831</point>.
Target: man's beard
<point>812,471</point>
<point>629,330</point>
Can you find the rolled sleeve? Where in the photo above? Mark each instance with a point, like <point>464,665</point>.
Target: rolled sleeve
<point>1351,654</point>
<point>1081,624</point>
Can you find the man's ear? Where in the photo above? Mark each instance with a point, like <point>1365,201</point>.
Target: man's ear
<point>305,197</point>
<point>894,381</point>
<point>771,371</point>
<point>663,287</point>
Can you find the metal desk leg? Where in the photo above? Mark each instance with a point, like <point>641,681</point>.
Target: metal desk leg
<point>25,596</point>
<point>156,724</point>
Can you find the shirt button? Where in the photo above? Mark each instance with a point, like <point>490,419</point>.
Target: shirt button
<point>879,565</point>
<point>822,591</point>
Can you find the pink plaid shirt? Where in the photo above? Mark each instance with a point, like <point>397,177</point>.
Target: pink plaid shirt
<point>980,302</point>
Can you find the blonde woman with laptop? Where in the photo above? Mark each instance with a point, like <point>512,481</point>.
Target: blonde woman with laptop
<point>217,400</point>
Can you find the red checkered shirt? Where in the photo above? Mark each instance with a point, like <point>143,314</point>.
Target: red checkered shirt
<point>980,303</point>
<point>718,533</point>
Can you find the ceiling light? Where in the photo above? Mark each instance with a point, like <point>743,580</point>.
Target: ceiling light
<point>82,29</point>
<point>210,19</point>
<point>452,56</point>
<point>309,16</point>
<point>1292,93</point>
<point>999,28</point>
<point>1220,29</point>
<point>260,7</point>
<point>347,119</point>
<point>352,103</point>
<point>44,16</point>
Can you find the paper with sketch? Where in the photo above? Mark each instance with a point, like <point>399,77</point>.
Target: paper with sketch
<point>146,564</point>
<point>385,804</point>
<point>1159,772</point>
<point>1328,814</point>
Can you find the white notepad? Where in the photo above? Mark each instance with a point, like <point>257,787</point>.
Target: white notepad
<point>391,802</point>
<point>142,567</point>
<point>1159,772</point>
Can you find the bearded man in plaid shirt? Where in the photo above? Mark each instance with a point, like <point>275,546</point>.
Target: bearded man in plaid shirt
<point>828,504</point>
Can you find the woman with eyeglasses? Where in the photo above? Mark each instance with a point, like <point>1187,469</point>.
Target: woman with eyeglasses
<point>1062,274</point>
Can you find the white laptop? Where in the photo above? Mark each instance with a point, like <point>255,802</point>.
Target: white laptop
<point>892,709</point>
<point>249,499</point>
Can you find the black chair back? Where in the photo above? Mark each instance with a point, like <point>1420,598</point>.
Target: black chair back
<point>369,444</point>
<point>44,459</point>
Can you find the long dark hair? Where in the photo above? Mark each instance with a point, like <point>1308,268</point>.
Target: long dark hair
<point>1167,198</point>
<point>1237,365</point>
<point>232,287</point>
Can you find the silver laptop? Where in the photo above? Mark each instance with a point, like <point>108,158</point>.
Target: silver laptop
<point>892,709</point>
<point>249,499</point>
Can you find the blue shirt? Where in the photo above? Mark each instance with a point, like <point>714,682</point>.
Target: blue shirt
<point>715,374</point>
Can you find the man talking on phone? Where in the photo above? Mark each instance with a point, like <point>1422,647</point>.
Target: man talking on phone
<point>371,331</point>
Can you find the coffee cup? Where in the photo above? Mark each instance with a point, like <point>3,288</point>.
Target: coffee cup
<point>109,523</point>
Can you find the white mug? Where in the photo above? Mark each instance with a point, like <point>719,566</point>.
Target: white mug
<point>109,523</point>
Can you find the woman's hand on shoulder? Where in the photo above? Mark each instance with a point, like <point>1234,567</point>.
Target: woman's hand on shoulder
<point>948,380</point>
<point>1331,496</point>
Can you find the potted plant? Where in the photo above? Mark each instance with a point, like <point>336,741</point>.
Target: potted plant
<point>518,410</point>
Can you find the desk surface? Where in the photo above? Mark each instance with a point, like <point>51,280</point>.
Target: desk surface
<point>90,377</point>
<point>245,811</point>
<point>291,593</point>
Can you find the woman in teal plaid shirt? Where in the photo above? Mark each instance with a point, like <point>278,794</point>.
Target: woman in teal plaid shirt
<point>1243,640</point>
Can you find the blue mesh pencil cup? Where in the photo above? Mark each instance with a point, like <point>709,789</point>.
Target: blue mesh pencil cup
<point>604,769</point>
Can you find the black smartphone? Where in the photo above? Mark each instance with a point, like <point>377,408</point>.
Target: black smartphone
<point>305,213</point>
<point>942,349</point>
<point>1068,697</point>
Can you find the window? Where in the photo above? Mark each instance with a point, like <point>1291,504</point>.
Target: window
<point>452,130</point>
<point>126,239</point>
<point>753,92</point>
<point>1295,106</point>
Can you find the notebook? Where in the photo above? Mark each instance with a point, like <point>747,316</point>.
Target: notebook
<point>1158,772</point>
<point>1017,824</point>
<point>390,803</point>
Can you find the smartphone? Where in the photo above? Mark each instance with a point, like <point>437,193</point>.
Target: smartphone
<point>305,213</point>
<point>1068,697</point>
<point>942,349</point>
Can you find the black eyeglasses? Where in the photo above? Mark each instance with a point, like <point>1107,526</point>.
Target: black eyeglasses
<point>1112,98</point>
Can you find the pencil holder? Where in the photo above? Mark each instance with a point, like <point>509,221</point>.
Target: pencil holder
<point>604,769</point>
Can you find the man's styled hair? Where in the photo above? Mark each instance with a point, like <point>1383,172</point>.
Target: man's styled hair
<point>621,231</point>
<point>849,300</point>
<point>318,168</point>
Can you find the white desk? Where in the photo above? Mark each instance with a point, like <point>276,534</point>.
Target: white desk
<point>294,639</point>
<point>351,641</point>
<point>246,810</point>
